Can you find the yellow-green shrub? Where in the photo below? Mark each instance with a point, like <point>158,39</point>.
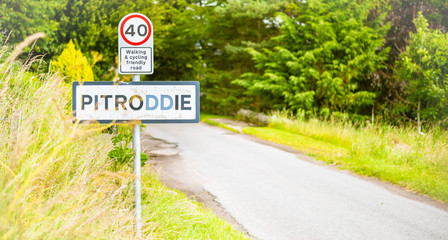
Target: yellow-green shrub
<point>73,64</point>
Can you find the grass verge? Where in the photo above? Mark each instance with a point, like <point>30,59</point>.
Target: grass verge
<point>209,119</point>
<point>395,154</point>
<point>57,182</point>
<point>169,214</point>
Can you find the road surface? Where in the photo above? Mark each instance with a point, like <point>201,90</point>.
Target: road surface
<point>276,195</point>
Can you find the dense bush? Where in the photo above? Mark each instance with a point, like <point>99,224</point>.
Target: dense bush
<point>73,65</point>
<point>320,60</point>
<point>423,66</point>
<point>319,56</point>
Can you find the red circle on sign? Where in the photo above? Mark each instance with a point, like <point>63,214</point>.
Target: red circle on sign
<point>127,40</point>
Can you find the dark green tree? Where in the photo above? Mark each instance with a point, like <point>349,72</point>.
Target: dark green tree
<point>423,66</point>
<point>400,16</point>
<point>229,28</point>
<point>93,26</point>
<point>19,19</point>
<point>178,31</point>
<point>324,58</point>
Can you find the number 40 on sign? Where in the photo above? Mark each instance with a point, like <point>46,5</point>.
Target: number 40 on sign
<point>136,45</point>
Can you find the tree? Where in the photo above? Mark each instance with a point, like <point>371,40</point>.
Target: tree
<point>73,65</point>
<point>229,28</point>
<point>325,53</point>
<point>423,66</point>
<point>400,16</point>
<point>19,19</point>
<point>93,26</point>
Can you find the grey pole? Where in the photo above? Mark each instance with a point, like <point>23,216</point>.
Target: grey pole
<point>137,172</point>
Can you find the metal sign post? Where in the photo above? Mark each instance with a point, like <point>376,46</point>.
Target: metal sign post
<point>136,144</point>
<point>135,56</point>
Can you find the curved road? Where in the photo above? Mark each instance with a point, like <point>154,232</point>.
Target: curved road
<point>276,195</point>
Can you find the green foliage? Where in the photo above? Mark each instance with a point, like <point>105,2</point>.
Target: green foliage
<point>181,32</point>
<point>56,180</point>
<point>122,154</point>
<point>423,66</point>
<point>229,28</point>
<point>389,90</point>
<point>73,65</point>
<point>52,173</point>
<point>93,27</point>
<point>329,56</point>
<point>205,40</point>
<point>320,60</point>
<point>19,19</point>
<point>401,19</point>
<point>395,154</point>
<point>170,214</point>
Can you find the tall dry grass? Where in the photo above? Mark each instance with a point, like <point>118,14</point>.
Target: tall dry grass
<point>57,182</point>
<point>54,177</point>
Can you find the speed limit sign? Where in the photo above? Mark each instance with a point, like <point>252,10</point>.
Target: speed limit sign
<point>135,45</point>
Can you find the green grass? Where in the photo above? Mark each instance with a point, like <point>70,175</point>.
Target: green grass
<point>395,154</point>
<point>205,116</point>
<point>208,118</point>
<point>316,148</point>
<point>170,214</point>
<point>57,182</point>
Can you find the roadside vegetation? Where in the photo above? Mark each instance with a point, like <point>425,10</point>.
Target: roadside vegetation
<point>211,119</point>
<point>397,154</point>
<point>58,182</point>
<point>359,58</point>
<point>364,85</point>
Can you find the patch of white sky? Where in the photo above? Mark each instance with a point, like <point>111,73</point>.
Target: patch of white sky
<point>203,3</point>
<point>273,21</point>
<point>207,3</point>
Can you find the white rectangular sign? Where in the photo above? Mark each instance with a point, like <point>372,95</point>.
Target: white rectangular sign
<point>135,45</point>
<point>136,60</point>
<point>148,102</point>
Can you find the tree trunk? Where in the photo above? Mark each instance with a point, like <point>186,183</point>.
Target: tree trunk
<point>373,114</point>
<point>419,123</point>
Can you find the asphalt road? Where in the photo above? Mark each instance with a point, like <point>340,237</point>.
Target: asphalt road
<point>276,195</point>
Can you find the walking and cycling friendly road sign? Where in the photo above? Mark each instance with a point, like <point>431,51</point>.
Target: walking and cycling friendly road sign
<point>135,45</point>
